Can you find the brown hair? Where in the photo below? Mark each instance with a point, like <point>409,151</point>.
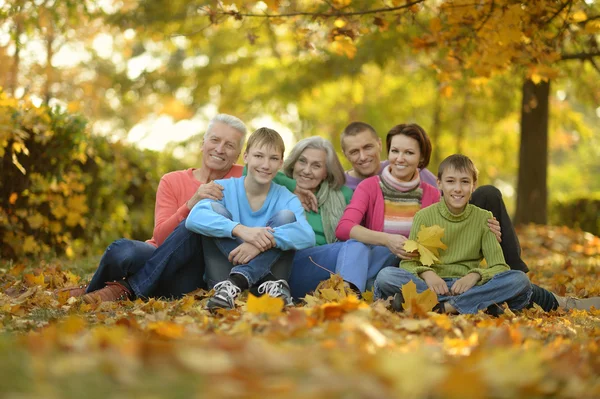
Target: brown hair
<point>460,163</point>
<point>268,137</point>
<point>356,128</point>
<point>416,132</point>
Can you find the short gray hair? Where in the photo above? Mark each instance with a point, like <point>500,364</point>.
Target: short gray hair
<point>232,121</point>
<point>335,172</point>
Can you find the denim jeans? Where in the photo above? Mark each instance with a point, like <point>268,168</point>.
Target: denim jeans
<point>175,268</point>
<point>360,263</point>
<point>273,262</point>
<point>121,259</point>
<point>306,275</point>
<point>512,287</point>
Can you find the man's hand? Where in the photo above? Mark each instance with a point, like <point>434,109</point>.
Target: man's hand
<point>395,243</point>
<point>243,254</point>
<point>261,237</point>
<point>494,226</point>
<point>435,282</point>
<point>465,283</point>
<point>212,190</point>
<point>307,199</point>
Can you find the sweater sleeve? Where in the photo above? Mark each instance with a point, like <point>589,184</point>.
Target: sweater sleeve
<point>167,215</point>
<point>354,212</point>
<point>297,235</point>
<point>204,220</point>
<point>415,266</point>
<point>492,252</point>
<point>281,179</point>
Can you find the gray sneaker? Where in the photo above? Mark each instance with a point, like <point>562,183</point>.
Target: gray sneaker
<point>224,297</point>
<point>569,302</point>
<point>277,289</point>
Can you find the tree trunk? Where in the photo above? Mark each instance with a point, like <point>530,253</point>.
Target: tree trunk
<point>434,134</point>
<point>13,79</point>
<point>532,190</point>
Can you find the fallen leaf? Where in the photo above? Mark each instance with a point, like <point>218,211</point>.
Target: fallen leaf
<point>417,303</point>
<point>264,305</point>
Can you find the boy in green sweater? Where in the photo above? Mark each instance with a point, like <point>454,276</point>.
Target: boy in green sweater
<point>460,282</point>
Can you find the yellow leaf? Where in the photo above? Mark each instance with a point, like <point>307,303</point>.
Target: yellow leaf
<point>72,325</point>
<point>427,243</point>
<point>341,3</point>
<point>435,25</point>
<point>415,303</point>
<point>339,23</point>
<point>31,279</point>
<point>272,4</point>
<point>36,220</point>
<point>579,16</point>
<point>343,45</point>
<point>167,329</point>
<point>264,304</point>
<point>13,198</point>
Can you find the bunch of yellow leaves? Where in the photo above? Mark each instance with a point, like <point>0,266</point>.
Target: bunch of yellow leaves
<point>429,240</point>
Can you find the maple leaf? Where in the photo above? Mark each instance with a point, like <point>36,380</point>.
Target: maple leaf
<point>427,243</point>
<point>417,303</point>
<point>264,305</point>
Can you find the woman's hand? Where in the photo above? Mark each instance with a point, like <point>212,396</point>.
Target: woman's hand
<point>307,199</point>
<point>435,282</point>
<point>465,283</point>
<point>243,254</point>
<point>395,243</point>
<point>494,226</point>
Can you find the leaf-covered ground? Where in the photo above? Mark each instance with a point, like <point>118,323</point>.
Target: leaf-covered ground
<point>334,346</point>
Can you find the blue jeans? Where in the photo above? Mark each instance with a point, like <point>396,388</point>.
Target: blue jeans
<point>360,263</point>
<point>512,287</point>
<point>175,268</point>
<point>121,259</point>
<point>306,275</point>
<point>273,262</point>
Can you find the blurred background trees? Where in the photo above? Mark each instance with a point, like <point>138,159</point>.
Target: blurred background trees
<point>475,75</point>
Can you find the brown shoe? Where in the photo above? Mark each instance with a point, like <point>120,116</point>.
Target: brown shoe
<point>112,292</point>
<point>73,291</point>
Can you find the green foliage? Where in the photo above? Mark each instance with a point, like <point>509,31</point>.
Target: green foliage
<point>67,191</point>
<point>577,211</point>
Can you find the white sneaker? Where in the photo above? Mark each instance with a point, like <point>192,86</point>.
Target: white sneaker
<point>277,289</point>
<point>224,297</point>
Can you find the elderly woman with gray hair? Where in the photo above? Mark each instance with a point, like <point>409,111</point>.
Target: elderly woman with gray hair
<point>314,165</point>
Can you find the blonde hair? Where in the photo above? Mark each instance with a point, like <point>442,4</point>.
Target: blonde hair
<point>265,136</point>
<point>335,172</point>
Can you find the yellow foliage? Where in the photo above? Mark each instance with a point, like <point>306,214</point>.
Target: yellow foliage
<point>417,303</point>
<point>428,242</point>
<point>264,304</point>
<point>343,45</point>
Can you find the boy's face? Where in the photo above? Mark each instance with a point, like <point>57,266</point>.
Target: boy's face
<point>457,187</point>
<point>263,163</point>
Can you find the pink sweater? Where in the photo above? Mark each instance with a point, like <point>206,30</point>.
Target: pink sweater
<point>367,207</point>
<point>174,190</point>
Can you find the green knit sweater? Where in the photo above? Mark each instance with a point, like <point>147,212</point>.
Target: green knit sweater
<point>468,238</point>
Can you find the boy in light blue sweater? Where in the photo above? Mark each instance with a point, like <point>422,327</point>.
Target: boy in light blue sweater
<point>250,235</point>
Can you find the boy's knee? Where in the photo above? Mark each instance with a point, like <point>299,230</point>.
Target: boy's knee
<point>520,279</point>
<point>383,282</point>
<point>282,217</point>
<point>221,210</point>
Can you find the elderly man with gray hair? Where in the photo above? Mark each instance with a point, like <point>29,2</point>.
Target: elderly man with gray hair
<point>177,194</point>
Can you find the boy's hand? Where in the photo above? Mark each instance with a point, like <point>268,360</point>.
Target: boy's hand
<point>307,199</point>
<point>212,190</point>
<point>494,226</point>
<point>465,283</point>
<point>261,237</point>
<point>243,254</point>
<point>435,282</point>
<point>395,243</point>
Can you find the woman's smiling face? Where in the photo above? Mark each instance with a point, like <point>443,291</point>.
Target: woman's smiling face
<point>310,169</point>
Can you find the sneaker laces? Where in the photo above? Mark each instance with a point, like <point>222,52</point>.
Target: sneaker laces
<point>230,289</point>
<point>271,288</point>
